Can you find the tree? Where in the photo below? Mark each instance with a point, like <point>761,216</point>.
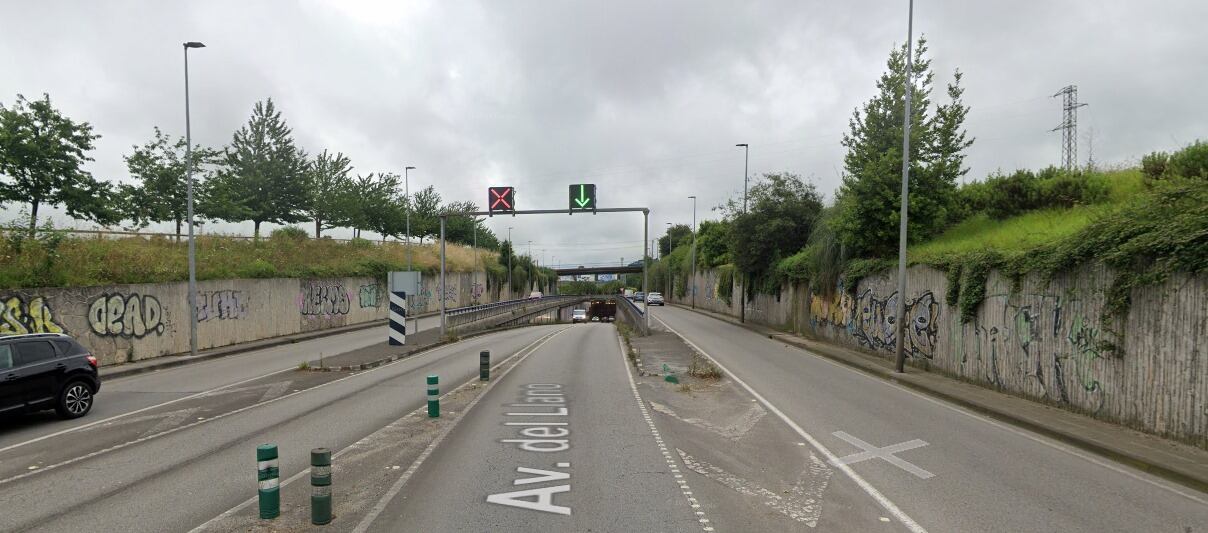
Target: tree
<point>870,195</point>
<point>381,207</point>
<point>162,193</point>
<point>425,213</point>
<point>264,178</point>
<point>677,234</point>
<point>782,212</point>
<point>330,199</point>
<point>42,152</point>
<point>712,243</point>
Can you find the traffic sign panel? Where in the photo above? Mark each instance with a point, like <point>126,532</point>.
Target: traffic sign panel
<point>583,197</point>
<point>501,199</point>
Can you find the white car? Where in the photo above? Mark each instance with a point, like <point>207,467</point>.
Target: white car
<point>654,298</point>
<point>578,315</point>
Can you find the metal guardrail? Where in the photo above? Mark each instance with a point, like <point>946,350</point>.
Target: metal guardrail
<point>461,316</point>
<point>633,314</point>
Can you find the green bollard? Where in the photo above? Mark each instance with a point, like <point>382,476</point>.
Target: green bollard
<point>433,397</point>
<point>268,473</point>
<point>320,482</point>
<point>484,365</point>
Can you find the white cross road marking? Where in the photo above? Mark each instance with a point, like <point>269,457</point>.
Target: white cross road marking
<point>886,453</point>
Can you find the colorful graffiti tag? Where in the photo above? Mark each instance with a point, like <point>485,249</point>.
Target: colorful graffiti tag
<point>126,315</point>
<point>18,317</point>
<point>370,295</point>
<point>871,320</point>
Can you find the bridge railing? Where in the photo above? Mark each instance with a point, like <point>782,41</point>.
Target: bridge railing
<point>632,314</point>
<point>462,316</point>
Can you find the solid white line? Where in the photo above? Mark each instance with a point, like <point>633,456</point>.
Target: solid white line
<point>419,461</point>
<point>1039,439</point>
<point>137,411</point>
<point>350,447</point>
<point>885,502</point>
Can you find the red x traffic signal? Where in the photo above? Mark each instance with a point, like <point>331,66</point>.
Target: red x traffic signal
<point>501,199</point>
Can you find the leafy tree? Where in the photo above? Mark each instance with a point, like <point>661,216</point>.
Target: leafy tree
<point>676,235</point>
<point>330,201</point>
<point>425,213</point>
<point>42,152</point>
<point>381,207</point>
<point>781,216</point>
<point>160,168</point>
<point>264,177</point>
<point>712,243</point>
<point>871,189</point>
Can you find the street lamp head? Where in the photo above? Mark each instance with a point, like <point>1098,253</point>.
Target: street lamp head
<point>194,44</point>
<point>744,145</point>
<point>692,197</point>
<point>409,168</point>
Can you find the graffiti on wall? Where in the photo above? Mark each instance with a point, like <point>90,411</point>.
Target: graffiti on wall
<point>476,292</point>
<point>370,295</point>
<point>324,299</point>
<point>418,303</point>
<point>872,320</point>
<point>18,317</point>
<point>126,315</point>
<point>221,305</point>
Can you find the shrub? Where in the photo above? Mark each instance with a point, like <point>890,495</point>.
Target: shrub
<point>1154,165</point>
<point>1191,161</point>
<point>259,269</point>
<point>290,233</point>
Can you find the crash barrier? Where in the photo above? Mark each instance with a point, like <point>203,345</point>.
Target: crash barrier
<point>632,314</point>
<point>485,316</point>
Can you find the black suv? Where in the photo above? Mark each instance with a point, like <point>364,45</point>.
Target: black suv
<point>44,370</point>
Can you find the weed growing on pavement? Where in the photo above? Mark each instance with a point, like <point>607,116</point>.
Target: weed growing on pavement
<point>703,368</point>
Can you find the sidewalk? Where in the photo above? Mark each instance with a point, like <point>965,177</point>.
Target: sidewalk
<point>169,361</point>
<point>1182,463</point>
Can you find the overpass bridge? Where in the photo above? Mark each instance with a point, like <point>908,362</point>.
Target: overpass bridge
<point>595,269</point>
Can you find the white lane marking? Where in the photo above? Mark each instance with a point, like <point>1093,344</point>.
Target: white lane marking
<point>398,485</point>
<point>693,503</point>
<point>804,500</point>
<point>137,411</point>
<point>276,389</point>
<point>1039,439</point>
<point>886,454</point>
<point>201,421</point>
<point>733,431</point>
<point>171,420</point>
<point>872,491</point>
<point>422,409</point>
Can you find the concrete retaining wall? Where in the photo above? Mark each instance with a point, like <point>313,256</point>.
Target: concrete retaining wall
<point>1041,342</point>
<point>121,323</point>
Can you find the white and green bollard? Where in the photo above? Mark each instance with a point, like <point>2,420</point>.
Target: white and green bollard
<point>269,474</point>
<point>433,397</point>
<point>320,482</point>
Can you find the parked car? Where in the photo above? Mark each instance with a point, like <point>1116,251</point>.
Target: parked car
<point>639,296</point>
<point>654,299</point>
<point>535,295</point>
<point>578,315</point>
<point>47,371</point>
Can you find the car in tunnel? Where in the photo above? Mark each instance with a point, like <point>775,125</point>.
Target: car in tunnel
<point>578,315</point>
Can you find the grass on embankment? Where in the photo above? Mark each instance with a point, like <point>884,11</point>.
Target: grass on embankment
<point>1029,230</point>
<point>57,260</point>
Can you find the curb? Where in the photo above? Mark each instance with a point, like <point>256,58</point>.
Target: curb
<point>119,372</point>
<point>1073,439</point>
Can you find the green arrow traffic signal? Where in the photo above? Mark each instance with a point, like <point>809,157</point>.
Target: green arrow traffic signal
<point>583,196</point>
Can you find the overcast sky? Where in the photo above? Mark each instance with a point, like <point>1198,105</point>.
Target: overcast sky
<point>645,99</point>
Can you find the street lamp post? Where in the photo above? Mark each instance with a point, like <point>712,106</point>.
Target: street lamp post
<point>742,286</point>
<point>189,194</point>
<point>512,247</point>
<point>407,192</point>
<point>900,323</point>
<point>670,288</point>
<point>692,275</point>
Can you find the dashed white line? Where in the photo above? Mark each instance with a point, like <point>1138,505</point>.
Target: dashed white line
<point>673,466</point>
<point>872,491</point>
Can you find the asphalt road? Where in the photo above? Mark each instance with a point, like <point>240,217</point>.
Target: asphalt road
<point>595,468</point>
<point>955,470</point>
<point>177,480</point>
<point>130,394</point>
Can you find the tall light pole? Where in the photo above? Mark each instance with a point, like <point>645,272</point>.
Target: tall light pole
<point>407,192</point>
<point>900,323</point>
<point>742,286</point>
<point>670,287</point>
<point>189,194</point>
<point>692,276</point>
<point>512,247</point>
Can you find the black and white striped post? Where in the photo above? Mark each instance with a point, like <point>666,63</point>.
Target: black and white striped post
<point>398,318</point>
<point>269,474</point>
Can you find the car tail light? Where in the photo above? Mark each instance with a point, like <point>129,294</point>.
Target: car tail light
<point>91,360</point>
